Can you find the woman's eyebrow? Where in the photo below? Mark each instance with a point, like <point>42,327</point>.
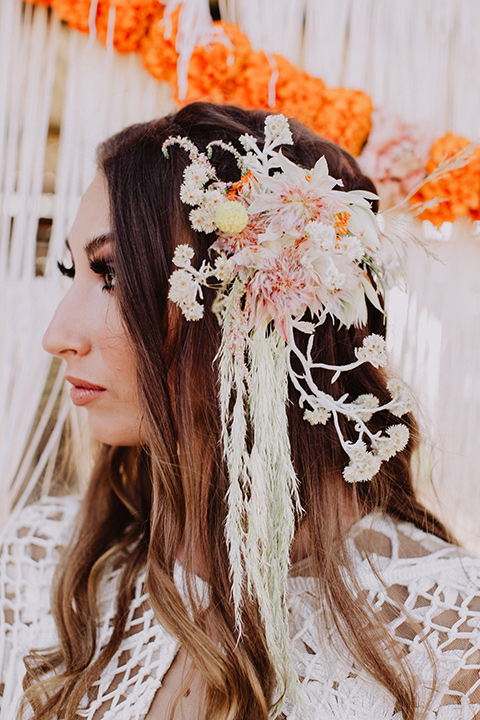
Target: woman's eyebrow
<point>93,245</point>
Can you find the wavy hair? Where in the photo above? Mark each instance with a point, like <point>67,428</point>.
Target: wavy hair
<point>168,497</point>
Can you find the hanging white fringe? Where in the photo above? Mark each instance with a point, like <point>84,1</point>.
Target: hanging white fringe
<point>28,52</point>
<point>262,499</point>
<point>274,26</point>
<point>104,93</point>
<point>418,60</point>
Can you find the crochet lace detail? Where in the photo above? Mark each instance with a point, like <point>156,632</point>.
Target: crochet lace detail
<point>428,586</point>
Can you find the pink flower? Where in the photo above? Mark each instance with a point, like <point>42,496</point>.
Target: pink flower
<point>296,196</point>
<point>280,290</point>
<point>394,157</point>
<point>247,238</point>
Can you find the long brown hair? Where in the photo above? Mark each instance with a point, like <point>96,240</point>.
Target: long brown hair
<point>168,497</point>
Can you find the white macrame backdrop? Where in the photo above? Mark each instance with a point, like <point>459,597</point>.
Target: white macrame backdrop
<point>419,59</point>
<point>104,93</point>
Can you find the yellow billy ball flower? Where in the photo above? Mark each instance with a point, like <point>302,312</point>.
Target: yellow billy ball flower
<point>231,217</point>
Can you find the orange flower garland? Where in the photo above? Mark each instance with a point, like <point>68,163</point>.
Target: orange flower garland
<point>459,190</point>
<point>233,73</point>
<point>346,118</point>
<point>158,48</point>
<point>238,75</point>
<point>132,19</point>
<point>214,70</point>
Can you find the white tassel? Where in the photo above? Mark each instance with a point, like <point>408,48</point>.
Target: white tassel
<point>262,497</point>
<point>104,92</point>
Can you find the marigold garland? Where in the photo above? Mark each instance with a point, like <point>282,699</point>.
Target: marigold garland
<point>158,48</point>
<point>234,73</point>
<point>458,191</point>
<point>132,19</point>
<point>214,70</point>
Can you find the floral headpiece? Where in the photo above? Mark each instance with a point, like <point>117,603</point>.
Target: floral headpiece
<point>287,241</point>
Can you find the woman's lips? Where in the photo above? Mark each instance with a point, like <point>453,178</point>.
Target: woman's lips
<point>83,392</point>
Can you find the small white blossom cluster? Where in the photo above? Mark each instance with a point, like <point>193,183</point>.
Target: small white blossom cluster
<point>402,398</point>
<point>183,292</point>
<point>183,255</point>
<point>224,268</point>
<point>277,130</point>
<point>202,217</point>
<point>373,350</point>
<point>364,464</point>
<point>186,282</point>
<point>395,442</point>
<point>334,279</point>
<point>319,416</point>
<point>367,405</point>
<point>200,172</point>
<point>321,233</point>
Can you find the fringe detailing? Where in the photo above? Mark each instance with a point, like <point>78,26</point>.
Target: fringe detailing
<point>262,498</point>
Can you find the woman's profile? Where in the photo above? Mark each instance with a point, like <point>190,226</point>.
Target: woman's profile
<point>250,544</point>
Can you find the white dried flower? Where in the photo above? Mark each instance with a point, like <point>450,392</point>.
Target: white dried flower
<point>318,416</point>
<point>367,404</point>
<point>183,287</point>
<point>334,280</point>
<point>278,130</point>
<point>383,447</point>
<point>224,268</point>
<point>321,233</point>
<point>191,194</point>
<point>196,174</point>
<point>399,435</point>
<point>363,465</point>
<point>203,219</point>
<point>352,247</point>
<point>357,450</point>
<point>401,396</point>
<point>396,441</point>
<point>182,255</point>
<point>373,350</point>
<point>192,310</point>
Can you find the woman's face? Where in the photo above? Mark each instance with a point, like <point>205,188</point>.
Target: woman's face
<point>87,332</point>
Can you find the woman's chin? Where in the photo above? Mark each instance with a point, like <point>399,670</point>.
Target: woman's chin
<point>115,433</point>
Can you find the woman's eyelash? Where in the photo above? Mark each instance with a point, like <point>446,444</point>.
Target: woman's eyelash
<point>100,266</point>
<point>66,271</point>
<point>104,267</point>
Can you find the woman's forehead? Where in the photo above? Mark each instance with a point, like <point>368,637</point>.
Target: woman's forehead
<point>91,227</point>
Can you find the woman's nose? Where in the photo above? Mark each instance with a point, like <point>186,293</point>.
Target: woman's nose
<point>67,333</point>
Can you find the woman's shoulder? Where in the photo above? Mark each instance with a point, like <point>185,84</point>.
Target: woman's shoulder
<point>395,558</point>
<point>427,593</point>
<point>399,552</point>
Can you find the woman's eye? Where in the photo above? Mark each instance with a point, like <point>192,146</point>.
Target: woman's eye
<point>66,271</point>
<point>105,269</point>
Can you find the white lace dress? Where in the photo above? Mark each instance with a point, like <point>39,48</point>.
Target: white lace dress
<point>439,585</point>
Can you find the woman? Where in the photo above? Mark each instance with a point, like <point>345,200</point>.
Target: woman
<point>224,332</point>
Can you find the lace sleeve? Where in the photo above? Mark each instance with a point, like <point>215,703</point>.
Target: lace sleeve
<point>30,545</point>
<point>423,589</point>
